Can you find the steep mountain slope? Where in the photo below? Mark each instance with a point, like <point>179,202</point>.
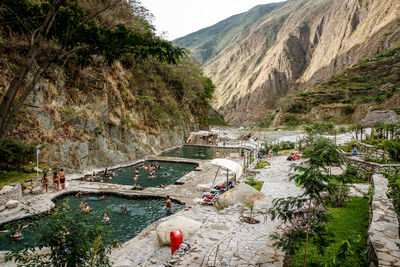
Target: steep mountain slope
<point>209,42</point>
<point>99,115</point>
<point>288,49</point>
<point>347,96</point>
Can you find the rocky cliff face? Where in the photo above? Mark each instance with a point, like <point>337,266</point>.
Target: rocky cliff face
<point>287,48</point>
<point>91,127</point>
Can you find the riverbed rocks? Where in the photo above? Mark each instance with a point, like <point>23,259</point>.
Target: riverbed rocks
<point>186,225</point>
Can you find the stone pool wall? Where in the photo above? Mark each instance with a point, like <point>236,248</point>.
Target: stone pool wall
<point>369,167</point>
<point>14,193</point>
<point>383,233</point>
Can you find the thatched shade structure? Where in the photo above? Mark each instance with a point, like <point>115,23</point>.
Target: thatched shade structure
<point>383,116</point>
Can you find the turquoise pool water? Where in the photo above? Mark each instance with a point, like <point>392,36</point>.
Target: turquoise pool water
<point>125,176</point>
<point>141,213</point>
<point>198,152</point>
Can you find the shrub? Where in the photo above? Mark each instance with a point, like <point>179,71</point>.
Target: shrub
<point>74,239</point>
<point>283,145</point>
<point>338,194</point>
<point>14,154</point>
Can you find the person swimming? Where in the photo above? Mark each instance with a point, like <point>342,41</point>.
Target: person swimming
<point>170,169</point>
<point>99,198</point>
<point>85,207</point>
<point>106,219</point>
<point>165,175</point>
<point>124,209</point>
<point>168,205</point>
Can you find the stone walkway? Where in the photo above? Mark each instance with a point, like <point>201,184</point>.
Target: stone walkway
<point>224,240</point>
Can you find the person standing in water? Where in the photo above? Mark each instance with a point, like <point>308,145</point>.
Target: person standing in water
<point>168,205</point>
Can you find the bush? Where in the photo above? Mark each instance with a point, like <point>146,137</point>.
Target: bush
<point>393,177</point>
<point>283,145</point>
<point>393,147</point>
<point>261,165</point>
<point>337,194</point>
<point>14,154</point>
<point>74,238</point>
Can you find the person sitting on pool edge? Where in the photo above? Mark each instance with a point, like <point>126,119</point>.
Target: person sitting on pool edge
<point>137,187</point>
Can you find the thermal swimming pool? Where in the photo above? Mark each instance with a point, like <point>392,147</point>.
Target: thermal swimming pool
<point>125,176</point>
<point>140,214</point>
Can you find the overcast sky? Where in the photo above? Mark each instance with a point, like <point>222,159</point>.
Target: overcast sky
<point>181,17</point>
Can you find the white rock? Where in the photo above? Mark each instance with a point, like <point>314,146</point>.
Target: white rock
<point>2,208</point>
<point>12,204</point>
<point>186,225</point>
<point>6,188</point>
<point>243,193</point>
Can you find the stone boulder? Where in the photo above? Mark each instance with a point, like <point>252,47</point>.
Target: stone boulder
<point>6,188</point>
<point>242,193</point>
<point>186,225</point>
<point>11,204</point>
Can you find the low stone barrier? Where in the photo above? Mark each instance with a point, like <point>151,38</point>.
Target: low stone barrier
<point>11,192</point>
<point>383,233</point>
<point>369,167</point>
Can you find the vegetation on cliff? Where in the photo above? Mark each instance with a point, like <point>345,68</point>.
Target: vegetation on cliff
<point>373,82</point>
<point>71,70</point>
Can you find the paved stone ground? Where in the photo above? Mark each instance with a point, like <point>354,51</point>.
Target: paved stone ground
<point>224,240</point>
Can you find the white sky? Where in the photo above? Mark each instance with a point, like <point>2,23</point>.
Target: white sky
<point>181,17</point>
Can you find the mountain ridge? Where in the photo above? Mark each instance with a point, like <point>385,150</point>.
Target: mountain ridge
<point>293,46</point>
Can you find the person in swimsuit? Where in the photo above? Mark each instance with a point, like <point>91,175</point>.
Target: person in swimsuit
<point>124,209</point>
<point>106,219</point>
<point>45,182</point>
<point>55,181</point>
<point>61,174</point>
<point>168,204</point>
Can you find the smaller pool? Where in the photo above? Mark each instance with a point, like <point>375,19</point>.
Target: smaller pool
<point>199,152</point>
<point>125,176</point>
<point>140,214</point>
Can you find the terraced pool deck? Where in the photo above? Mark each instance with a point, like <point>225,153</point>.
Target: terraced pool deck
<point>32,204</point>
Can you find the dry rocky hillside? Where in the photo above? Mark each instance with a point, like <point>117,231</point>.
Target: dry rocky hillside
<point>102,115</point>
<point>273,50</point>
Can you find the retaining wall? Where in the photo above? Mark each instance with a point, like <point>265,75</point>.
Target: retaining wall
<point>369,167</point>
<point>383,232</point>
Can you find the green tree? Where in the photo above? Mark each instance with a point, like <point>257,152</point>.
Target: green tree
<point>320,155</point>
<point>74,238</point>
<point>69,33</point>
